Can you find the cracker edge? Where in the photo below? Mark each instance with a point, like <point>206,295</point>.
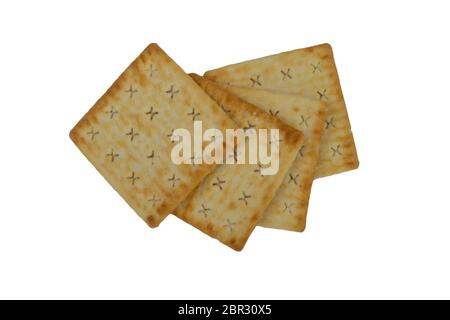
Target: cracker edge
<point>295,137</point>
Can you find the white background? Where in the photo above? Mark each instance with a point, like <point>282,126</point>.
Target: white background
<point>382,231</point>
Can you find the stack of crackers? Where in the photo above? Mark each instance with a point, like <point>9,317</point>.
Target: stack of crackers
<point>128,135</point>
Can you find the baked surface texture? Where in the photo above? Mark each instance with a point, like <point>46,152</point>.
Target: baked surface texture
<point>310,72</point>
<point>230,202</point>
<point>289,207</point>
<point>127,134</point>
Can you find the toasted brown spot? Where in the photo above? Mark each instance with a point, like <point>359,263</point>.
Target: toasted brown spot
<point>301,225</point>
<point>292,135</point>
<point>352,164</point>
<point>145,56</point>
<point>74,136</point>
<point>151,221</point>
<point>232,206</point>
<point>317,131</point>
<point>324,48</point>
<point>142,79</point>
<point>178,213</point>
<point>255,217</point>
<point>162,209</point>
<point>309,49</point>
<point>153,47</point>
<point>225,123</point>
<point>237,245</point>
<point>167,193</point>
<point>325,56</point>
<point>347,145</point>
<point>187,101</point>
<point>189,206</point>
<point>184,188</point>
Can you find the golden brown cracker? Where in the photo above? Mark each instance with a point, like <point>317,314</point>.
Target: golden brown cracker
<point>289,207</point>
<point>127,134</point>
<point>229,203</point>
<point>310,72</point>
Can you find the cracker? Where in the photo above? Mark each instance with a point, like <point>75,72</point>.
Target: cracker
<point>126,135</point>
<point>310,72</point>
<point>231,211</point>
<point>289,207</point>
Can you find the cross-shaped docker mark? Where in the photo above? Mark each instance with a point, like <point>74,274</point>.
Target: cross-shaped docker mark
<point>322,94</point>
<point>336,150</point>
<point>133,178</point>
<point>249,126</point>
<point>304,121</point>
<point>229,225</point>
<point>93,133</point>
<point>151,70</point>
<point>256,81</point>
<point>218,183</point>
<point>204,210</point>
<point>286,74</point>
<point>132,134</point>
<point>131,91</point>
<point>173,180</point>
<point>274,113</point>
<point>258,170</point>
<point>316,67</point>
<point>329,123</point>
<point>193,114</point>
<point>225,110</point>
<point>154,200</point>
<point>152,113</point>
<point>152,156</point>
<point>301,151</point>
<point>112,155</point>
<point>112,112</point>
<point>244,198</point>
<point>275,142</point>
<point>287,207</point>
<point>293,178</point>
<point>172,136</point>
<point>172,92</point>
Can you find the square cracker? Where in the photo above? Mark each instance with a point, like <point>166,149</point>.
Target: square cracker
<point>310,72</point>
<point>289,207</point>
<point>229,203</point>
<point>127,134</point>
